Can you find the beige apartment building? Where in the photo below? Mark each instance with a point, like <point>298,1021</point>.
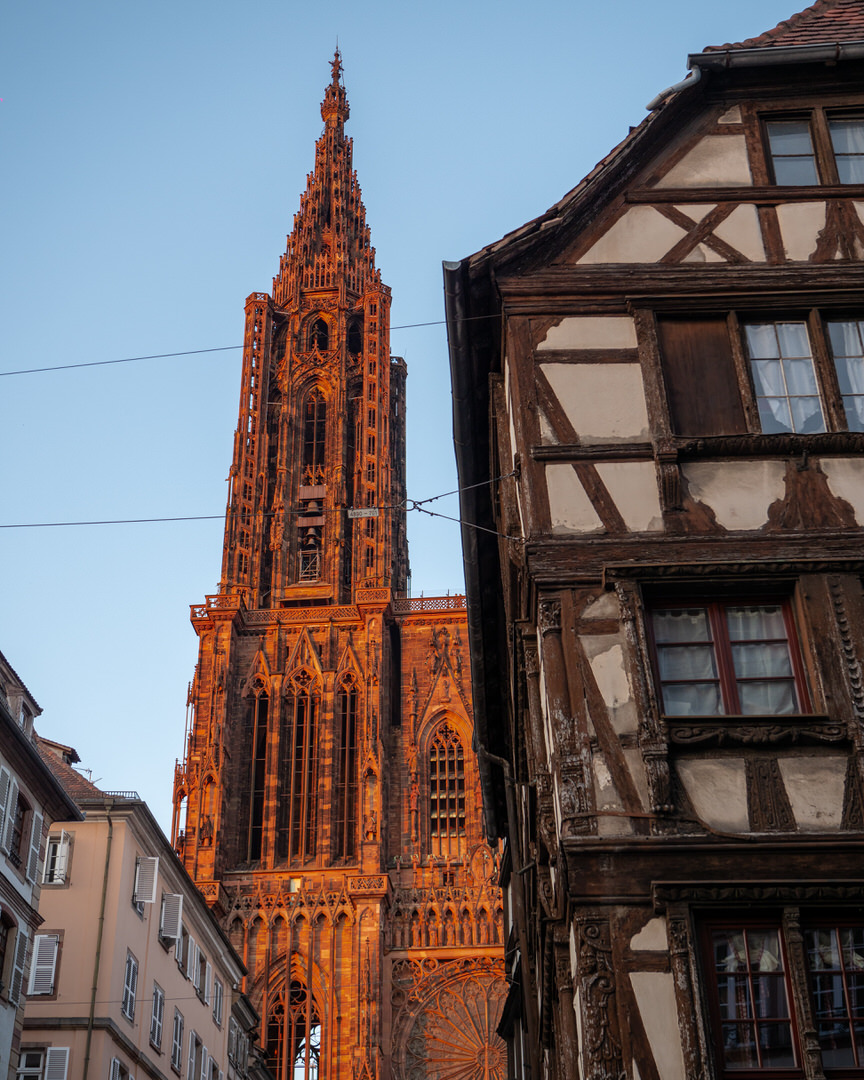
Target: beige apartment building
<point>131,974</point>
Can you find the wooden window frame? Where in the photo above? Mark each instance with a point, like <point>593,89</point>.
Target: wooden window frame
<point>792,925</point>
<point>818,119</point>
<point>815,321</point>
<point>715,607</point>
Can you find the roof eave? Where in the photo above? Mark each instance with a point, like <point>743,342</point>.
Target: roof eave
<point>770,55</point>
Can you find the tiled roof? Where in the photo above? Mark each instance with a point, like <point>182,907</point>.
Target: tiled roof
<point>76,786</point>
<point>822,23</point>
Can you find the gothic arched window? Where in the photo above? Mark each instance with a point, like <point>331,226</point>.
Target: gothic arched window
<point>258,709</point>
<point>446,791</point>
<point>293,1043</point>
<point>298,781</point>
<point>319,334</point>
<point>314,437</point>
<point>355,336</point>
<point>345,823</point>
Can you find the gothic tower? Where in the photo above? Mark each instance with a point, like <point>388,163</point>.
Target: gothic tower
<point>328,805</point>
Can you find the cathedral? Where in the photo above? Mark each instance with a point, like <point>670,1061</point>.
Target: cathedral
<point>328,805</point>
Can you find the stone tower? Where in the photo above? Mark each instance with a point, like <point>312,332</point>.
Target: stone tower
<point>328,805</point>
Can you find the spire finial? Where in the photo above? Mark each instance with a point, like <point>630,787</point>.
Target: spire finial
<point>334,108</point>
<point>336,66</point>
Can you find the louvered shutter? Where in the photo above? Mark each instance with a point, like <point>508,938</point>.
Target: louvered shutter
<point>191,956</point>
<point>11,806</point>
<point>208,979</point>
<point>56,1062</point>
<point>190,1072</point>
<point>5,782</point>
<point>35,845</point>
<point>18,966</point>
<point>204,1063</point>
<point>146,874</point>
<point>62,858</point>
<point>115,1069</point>
<point>43,963</point>
<point>170,919</point>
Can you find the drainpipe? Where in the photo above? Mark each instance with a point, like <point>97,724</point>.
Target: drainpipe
<point>691,78</point>
<point>109,806</point>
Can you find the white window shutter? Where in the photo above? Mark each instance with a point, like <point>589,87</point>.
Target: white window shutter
<point>191,955</point>
<point>35,845</point>
<point>204,1063</point>
<point>146,875</point>
<point>19,965</point>
<point>43,964</point>
<point>208,979</point>
<point>56,1062</point>
<point>115,1069</point>
<point>191,1070</point>
<point>5,782</point>
<point>11,804</point>
<point>170,919</point>
<point>62,857</point>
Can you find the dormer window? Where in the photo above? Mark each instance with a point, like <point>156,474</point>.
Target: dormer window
<point>816,148</point>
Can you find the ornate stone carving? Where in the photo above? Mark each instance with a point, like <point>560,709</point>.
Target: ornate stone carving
<point>667,893</point>
<point>445,1020</point>
<point>751,733</point>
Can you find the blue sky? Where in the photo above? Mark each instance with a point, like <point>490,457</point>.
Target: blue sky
<point>154,159</point>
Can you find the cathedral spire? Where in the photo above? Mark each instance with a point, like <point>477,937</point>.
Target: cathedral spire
<point>334,107</point>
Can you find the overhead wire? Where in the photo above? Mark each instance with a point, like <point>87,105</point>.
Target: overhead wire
<point>408,505</point>
<point>197,352</point>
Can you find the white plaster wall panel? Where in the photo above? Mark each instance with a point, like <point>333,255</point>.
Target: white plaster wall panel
<point>652,937</point>
<point>547,435</point>
<point>715,161</point>
<point>569,507</point>
<point>815,789</point>
<point>742,230</point>
<point>696,211</point>
<point>604,402</point>
<point>612,822</point>
<point>605,606</point>
<point>633,487</point>
<point>606,658</point>
<point>731,116</point>
<point>738,492</point>
<point>846,481</point>
<point>800,225</point>
<point>717,789</point>
<point>641,235</point>
<point>703,254</point>
<point>655,996</point>
<point>591,332</point>
<point>636,765</point>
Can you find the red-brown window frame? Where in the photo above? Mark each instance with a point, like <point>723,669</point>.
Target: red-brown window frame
<point>721,643</point>
<point>818,120</point>
<point>712,993</point>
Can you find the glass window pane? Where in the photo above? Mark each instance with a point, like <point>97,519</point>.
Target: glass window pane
<point>681,624</point>
<point>775,1046</point>
<point>850,374</point>
<point>800,376</point>
<point>734,994</point>
<point>822,950</point>
<point>730,953</point>
<point>762,340</point>
<point>789,137</point>
<point>739,1046</point>
<point>764,950</point>
<point>807,415</point>
<point>847,136</point>
<point>846,338</point>
<point>795,171</point>
<point>692,699</point>
<point>762,661</point>
<point>759,622</point>
<point>768,378</point>
<point>687,662</point>
<point>851,169</point>
<point>774,415</point>
<point>768,698</point>
<point>835,1043</point>
<point>793,339</point>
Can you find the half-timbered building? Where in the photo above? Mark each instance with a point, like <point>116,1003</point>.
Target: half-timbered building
<point>329,803</point>
<point>661,383</point>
